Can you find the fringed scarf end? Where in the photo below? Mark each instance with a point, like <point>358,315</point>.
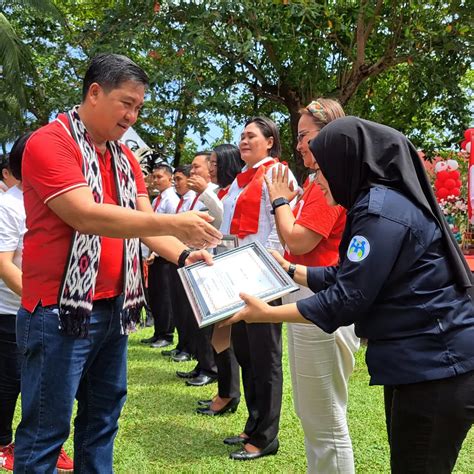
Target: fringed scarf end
<point>74,322</point>
<point>131,317</point>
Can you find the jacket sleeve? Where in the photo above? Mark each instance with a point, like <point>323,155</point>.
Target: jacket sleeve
<point>372,252</point>
<point>319,278</point>
<point>212,202</point>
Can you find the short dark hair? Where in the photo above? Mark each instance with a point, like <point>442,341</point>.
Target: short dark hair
<point>268,129</point>
<point>110,71</point>
<point>3,165</point>
<point>229,163</point>
<point>163,166</point>
<point>16,155</point>
<point>206,153</point>
<point>185,169</point>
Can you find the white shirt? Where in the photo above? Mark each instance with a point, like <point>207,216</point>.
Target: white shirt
<point>267,234</point>
<point>168,203</point>
<point>12,230</point>
<point>188,200</point>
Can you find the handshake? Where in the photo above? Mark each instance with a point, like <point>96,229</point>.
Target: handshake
<point>194,229</point>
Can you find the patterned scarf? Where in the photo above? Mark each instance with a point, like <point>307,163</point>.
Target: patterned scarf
<point>76,293</point>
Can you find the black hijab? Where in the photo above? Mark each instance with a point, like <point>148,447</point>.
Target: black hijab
<point>356,154</point>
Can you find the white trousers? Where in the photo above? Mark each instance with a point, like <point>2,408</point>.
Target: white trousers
<point>321,365</point>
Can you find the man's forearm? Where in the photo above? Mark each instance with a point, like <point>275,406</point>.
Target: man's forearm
<point>78,209</point>
<point>114,221</point>
<point>11,275</point>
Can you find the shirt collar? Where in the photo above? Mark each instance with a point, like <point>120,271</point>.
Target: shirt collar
<point>260,163</point>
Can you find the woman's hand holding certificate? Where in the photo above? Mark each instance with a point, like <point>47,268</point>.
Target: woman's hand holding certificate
<point>214,291</point>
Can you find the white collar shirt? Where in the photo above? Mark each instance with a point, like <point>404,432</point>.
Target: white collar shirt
<point>267,234</point>
<point>168,203</point>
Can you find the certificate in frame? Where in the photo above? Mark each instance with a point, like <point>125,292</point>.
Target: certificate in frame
<point>213,290</point>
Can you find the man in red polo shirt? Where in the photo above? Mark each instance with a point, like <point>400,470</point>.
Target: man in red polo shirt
<point>86,205</point>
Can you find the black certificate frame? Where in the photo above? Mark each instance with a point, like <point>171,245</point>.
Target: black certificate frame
<point>203,314</point>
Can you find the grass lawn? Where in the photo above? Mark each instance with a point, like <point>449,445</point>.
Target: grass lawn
<point>159,431</point>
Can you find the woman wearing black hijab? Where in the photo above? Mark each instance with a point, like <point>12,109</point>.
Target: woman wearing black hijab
<point>403,281</point>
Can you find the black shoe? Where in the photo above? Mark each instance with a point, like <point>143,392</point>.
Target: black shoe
<point>187,375</point>
<point>204,403</point>
<point>159,343</point>
<point>231,407</point>
<point>170,353</point>
<point>233,440</point>
<point>244,455</point>
<point>201,380</point>
<point>181,357</point>
<point>149,340</point>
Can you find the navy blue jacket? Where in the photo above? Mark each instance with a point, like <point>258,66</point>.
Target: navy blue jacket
<point>395,284</point>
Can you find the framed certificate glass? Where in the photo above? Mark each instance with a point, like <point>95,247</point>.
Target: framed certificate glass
<point>213,290</point>
<point>228,242</point>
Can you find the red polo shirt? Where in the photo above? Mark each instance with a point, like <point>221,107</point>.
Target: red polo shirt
<point>313,212</point>
<point>52,165</point>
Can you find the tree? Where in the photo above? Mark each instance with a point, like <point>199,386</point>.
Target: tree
<point>399,62</point>
<point>23,98</point>
<point>395,61</point>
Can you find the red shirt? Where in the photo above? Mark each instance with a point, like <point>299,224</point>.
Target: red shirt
<point>52,165</point>
<point>313,212</point>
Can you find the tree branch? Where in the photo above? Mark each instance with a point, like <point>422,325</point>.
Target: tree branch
<point>371,22</point>
<point>360,36</point>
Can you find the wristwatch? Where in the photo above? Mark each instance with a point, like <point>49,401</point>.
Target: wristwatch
<point>281,201</point>
<point>291,270</point>
<point>183,257</point>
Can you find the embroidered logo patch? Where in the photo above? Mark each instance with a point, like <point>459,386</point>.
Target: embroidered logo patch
<point>358,249</point>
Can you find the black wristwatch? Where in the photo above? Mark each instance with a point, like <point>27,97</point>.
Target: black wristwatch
<point>281,201</point>
<point>182,258</point>
<point>291,270</point>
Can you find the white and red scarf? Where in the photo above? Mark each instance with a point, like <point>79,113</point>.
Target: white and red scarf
<point>76,294</point>
<point>247,208</point>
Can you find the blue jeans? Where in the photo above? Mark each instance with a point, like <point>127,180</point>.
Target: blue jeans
<point>57,368</point>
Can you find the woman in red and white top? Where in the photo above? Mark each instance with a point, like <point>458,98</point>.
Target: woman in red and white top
<point>320,363</point>
<point>247,215</point>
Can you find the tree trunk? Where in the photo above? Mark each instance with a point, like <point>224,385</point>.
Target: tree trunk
<point>293,103</point>
<point>180,128</point>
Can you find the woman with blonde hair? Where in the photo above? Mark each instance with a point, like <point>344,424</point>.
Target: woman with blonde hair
<point>320,363</point>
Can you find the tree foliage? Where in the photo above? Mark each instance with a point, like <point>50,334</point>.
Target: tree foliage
<point>400,62</point>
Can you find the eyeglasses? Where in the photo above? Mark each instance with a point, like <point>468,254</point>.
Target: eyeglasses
<point>301,135</point>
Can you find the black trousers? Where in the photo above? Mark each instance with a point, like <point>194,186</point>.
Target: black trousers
<point>228,374</point>
<point>191,339</point>
<point>258,349</point>
<point>181,312</point>
<point>427,423</point>
<point>9,378</point>
<point>160,298</point>
<point>203,348</point>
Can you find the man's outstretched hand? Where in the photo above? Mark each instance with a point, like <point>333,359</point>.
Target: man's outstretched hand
<point>193,229</point>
